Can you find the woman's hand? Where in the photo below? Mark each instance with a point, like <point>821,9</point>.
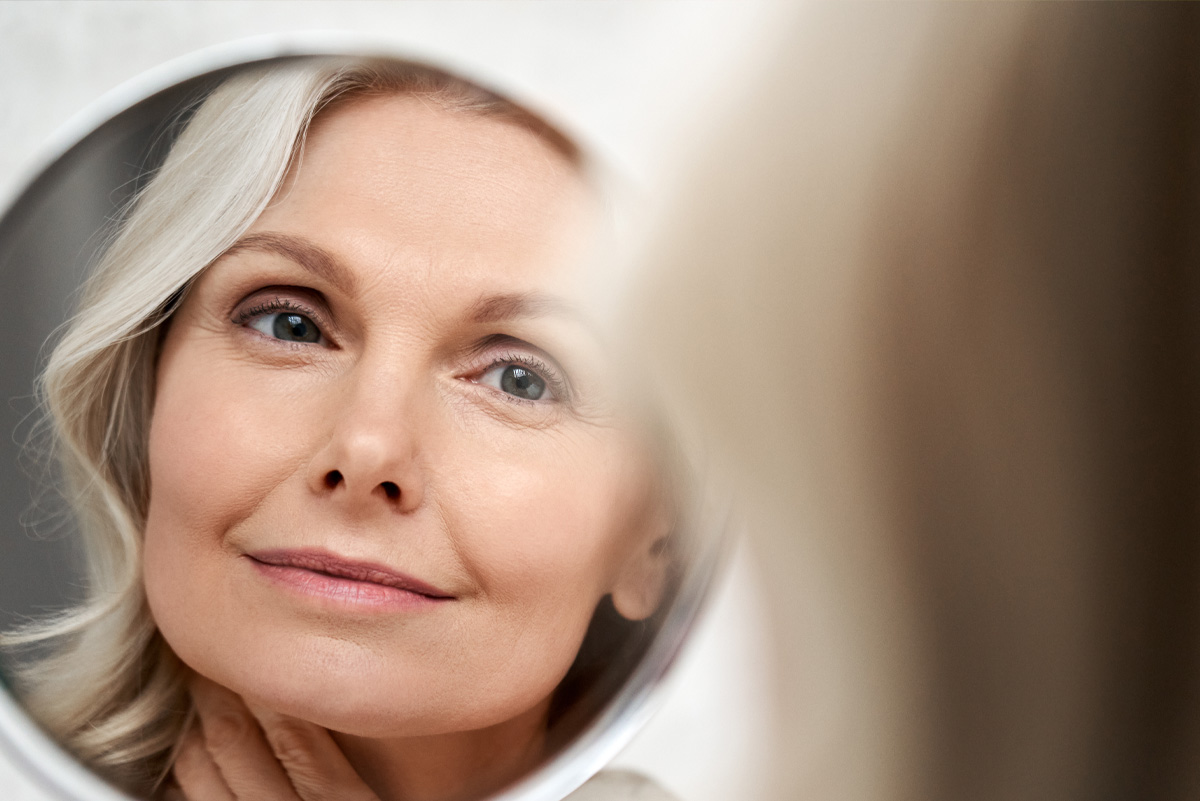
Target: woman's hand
<point>233,753</point>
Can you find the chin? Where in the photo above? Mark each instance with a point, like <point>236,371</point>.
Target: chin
<point>348,688</point>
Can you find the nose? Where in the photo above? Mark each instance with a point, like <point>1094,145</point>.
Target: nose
<point>371,459</point>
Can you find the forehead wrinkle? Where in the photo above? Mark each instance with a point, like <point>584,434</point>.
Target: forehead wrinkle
<point>303,253</point>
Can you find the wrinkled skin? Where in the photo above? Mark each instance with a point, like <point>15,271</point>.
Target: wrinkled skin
<point>357,379</point>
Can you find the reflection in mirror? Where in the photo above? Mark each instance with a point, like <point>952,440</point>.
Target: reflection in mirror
<point>363,500</point>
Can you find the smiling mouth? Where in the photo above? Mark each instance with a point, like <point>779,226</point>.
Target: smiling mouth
<point>321,573</point>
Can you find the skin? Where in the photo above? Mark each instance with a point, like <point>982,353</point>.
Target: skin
<point>413,238</point>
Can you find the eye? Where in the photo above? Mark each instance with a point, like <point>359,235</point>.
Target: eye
<point>289,326</point>
<point>516,380</point>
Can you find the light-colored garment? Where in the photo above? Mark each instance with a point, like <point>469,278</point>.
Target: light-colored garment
<point>620,785</point>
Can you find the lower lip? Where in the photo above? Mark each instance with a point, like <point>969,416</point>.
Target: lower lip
<point>363,595</point>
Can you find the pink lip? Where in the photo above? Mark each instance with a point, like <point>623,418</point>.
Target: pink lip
<point>322,574</point>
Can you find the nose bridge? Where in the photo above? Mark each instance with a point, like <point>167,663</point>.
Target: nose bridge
<point>373,452</point>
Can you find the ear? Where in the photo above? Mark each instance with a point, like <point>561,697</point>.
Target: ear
<point>639,587</point>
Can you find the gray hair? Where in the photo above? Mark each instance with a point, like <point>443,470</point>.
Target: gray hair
<point>99,677</point>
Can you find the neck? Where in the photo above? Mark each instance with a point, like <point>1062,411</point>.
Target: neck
<point>460,766</point>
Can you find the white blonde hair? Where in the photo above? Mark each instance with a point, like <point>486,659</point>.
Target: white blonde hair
<point>99,677</point>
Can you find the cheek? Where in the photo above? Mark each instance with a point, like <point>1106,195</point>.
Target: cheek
<point>211,452</point>
<point>212,456</point>
<point>553,530</point>
<point>539,536</point>
<point>549,520</point>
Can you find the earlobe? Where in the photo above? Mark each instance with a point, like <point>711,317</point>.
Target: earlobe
<point>640,587</point>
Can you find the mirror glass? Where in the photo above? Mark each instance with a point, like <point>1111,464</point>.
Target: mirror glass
<point>333,444</point>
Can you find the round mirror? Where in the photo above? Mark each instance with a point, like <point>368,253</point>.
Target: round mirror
<point>328,472</point>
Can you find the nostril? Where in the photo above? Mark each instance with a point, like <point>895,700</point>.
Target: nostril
<point>333,478</point>
<point>391,490</point>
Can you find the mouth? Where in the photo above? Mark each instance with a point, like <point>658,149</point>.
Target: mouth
<point>320,573</point>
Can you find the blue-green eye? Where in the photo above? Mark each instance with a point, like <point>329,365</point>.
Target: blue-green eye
<point>289,326</point>
<point>516,380</point>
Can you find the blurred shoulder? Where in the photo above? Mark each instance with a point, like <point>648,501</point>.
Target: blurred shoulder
<point>620,785</point>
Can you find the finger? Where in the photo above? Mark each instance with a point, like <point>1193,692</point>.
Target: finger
<point>196,773</point>
<point>237,746</point>
<point>318,769</point>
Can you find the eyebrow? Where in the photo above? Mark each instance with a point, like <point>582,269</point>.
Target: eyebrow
<point>488,309</point>
<point>302,252</point>
<point>499,308</point>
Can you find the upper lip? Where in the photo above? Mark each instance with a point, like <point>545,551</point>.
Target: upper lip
<point>340,567</point>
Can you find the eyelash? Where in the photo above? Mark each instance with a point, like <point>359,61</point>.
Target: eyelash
<point>244,316</point>
<point>554,382</point>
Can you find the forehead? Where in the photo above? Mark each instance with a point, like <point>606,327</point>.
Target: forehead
<point>401,179</point>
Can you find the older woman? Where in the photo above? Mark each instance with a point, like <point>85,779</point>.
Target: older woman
<point>350,461</point>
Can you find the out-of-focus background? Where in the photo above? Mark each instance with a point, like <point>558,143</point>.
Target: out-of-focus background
<point>634,79</point>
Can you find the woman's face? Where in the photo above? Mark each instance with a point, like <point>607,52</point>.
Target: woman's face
<point>389,485</point>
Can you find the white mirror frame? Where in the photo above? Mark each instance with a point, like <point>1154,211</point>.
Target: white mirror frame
<point>56,771</point>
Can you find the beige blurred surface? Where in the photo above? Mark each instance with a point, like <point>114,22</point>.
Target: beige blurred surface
<point>932,294</point>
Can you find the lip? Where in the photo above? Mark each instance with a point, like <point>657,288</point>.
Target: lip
<point>315,572</point>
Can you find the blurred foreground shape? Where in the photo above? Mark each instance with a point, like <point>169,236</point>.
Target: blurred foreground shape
<point>932,293</point>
